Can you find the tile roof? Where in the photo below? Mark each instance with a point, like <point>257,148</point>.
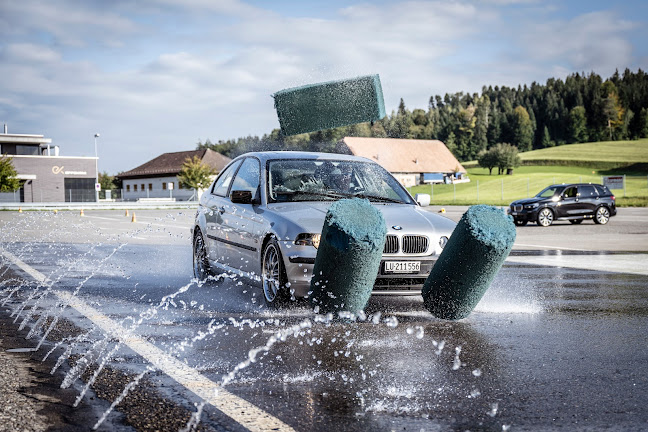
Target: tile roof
<point>171,163</point>
<point>405,155</point>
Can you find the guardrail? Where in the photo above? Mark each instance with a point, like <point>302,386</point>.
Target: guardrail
<point>107,205</point>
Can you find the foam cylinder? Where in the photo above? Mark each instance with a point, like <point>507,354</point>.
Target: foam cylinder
<point>348,256</point>
<point>475,252</point>
<point>330,104</point>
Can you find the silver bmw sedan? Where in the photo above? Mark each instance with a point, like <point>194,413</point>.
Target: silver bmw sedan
<point>263,216</point>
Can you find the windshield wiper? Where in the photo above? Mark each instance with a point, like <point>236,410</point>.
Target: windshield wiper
<point>378,198</point>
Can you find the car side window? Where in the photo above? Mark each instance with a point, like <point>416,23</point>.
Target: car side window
<point>603,190</point>
<point>587,192</point>
<point>247,177</point>
<point>222,183</point>
<point>570,192</point>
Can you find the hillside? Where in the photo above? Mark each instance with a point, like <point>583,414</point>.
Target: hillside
<point>605,154</point>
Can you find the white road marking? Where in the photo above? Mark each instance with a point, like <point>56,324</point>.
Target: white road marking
<point>615,263</point>
<point>182,227</point>
<point>238,409</point>
<point>545,247</point>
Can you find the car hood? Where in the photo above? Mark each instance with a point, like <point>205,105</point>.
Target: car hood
<point>399,218</point>
<point>531,200</point>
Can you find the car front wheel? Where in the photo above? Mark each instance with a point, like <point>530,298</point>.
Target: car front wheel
<point>273,275</point>
<point>201,267</point>
<point>602,216</point>
<point>545,217</point>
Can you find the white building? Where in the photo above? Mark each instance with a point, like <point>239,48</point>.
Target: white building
<point>158,178</point>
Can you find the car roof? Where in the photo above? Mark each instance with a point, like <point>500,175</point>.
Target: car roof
<point>274,155</point>
<point>575,184</point>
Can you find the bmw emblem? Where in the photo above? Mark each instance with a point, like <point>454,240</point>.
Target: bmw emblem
<point>397,227</point>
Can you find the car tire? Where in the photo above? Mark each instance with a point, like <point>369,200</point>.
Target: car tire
<point>575,221</point>
<point>520,222</point>
<point>545,217</point>
<point>273,275</point>
<point>201,267</point>
<point>602,215</point>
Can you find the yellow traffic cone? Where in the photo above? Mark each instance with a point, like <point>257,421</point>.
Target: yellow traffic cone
<point>134,219</point>
<point>126,212</point>
<point>55,211</point>
<point>81,214</point>
<point>442,210</point>
<point>19,209</point>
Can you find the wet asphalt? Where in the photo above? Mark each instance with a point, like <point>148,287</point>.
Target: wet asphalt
<point>559,346</point>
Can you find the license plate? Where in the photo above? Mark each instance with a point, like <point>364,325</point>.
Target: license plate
<point>514,213</point>
<point>402,266</point>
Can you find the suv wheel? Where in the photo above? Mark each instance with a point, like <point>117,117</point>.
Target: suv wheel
<point>545,217</point>
<point>273,275</point>
<point>602,215</point>
<point>201,267</point>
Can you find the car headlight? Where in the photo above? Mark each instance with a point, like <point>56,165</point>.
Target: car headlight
<point>308,239</point>
<point>443,241</point>
<point>531,206</point>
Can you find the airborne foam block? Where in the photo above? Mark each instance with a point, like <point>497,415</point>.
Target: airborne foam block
<point>480,243</point>
<point>348,257</point>
<point>330,104</point>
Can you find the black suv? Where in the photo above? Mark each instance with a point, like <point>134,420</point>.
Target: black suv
<point>574,202</point>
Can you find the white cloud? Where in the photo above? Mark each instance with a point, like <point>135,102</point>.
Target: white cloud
<point>158,77</point>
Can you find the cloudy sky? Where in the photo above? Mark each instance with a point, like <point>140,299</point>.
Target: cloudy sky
<point>155,76</point>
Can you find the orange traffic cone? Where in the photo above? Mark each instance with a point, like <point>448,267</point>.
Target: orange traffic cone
<point>126,212</point>
<point>134,219</point>
<point>81,214</point>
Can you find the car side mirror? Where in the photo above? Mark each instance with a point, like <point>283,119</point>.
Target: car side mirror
<point>241,197</point>
<point>422,199</point>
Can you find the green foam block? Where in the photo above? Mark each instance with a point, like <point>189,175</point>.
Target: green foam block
<point>475,252</point>
<point>330,104</point>
<point>348,256</point>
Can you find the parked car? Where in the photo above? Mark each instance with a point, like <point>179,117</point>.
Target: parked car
<point>574,202</point>
<point>263,216</point>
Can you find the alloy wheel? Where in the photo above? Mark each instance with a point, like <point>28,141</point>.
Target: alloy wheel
<point>602,215</point>
<point>271,273</point>
<point>545,217</point>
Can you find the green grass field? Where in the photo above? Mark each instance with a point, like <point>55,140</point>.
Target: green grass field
<point>526,181</point>
<point>617,152</point>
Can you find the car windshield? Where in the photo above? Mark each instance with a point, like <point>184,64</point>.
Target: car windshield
<point>550,191</point>
<point>329,180</point>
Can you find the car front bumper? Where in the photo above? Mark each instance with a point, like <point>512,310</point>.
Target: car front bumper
<point>299,262</point>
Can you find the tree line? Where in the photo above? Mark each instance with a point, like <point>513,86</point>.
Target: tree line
<point>581,108</point>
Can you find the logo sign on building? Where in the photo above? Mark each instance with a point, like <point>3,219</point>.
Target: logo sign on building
<point>98,187</point>
<point>613,182</point>
<point>170,185</point>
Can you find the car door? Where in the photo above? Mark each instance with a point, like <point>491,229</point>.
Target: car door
<point>240,224</point>
<point>216,204</point>
<point>569,205</point>
<point>588,199</point>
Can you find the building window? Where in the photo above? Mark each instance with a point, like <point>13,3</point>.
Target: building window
<point>79,189</point>
<point>150,186</point>
<point>135,188</point>
<point>127,188</point>
<point>163,185</point>
<point>143,187</point>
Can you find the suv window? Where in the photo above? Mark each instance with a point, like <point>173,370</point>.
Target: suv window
<point>587,191</point>
<point>570,192</point>
<point>603,190</point>
<point>222,184</point>
<point>247,177</point>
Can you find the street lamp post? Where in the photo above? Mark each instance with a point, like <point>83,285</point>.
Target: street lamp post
<point>96,168</point>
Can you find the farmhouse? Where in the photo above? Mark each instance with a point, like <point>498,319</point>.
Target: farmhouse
<point>158,178</point>
<point>411,161</point>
